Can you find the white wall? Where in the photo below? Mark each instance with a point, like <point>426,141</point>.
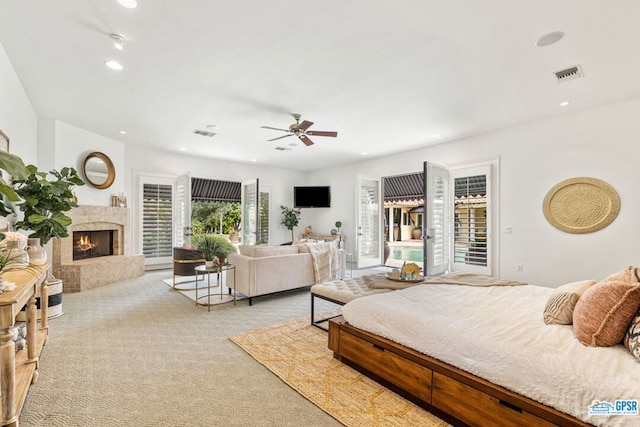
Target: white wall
<point>279,181</point>
<point>72,145</point>
<point>17,117</point>
<point>600,143</point>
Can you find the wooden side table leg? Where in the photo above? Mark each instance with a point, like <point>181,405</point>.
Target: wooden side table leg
<point>7,367</point>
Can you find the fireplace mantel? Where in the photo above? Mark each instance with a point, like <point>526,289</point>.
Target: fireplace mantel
<point>89,273</point>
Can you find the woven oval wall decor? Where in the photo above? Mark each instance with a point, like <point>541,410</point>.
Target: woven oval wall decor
<point>581,205</point>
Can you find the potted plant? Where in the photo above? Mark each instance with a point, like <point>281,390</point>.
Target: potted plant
<point>290,218</point>
<point>46,201</point>
<point>338,225</point>
<point>416,233</point>
<point>214,248</point>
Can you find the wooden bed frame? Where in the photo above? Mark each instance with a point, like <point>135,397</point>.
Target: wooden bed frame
<point>451,393</point>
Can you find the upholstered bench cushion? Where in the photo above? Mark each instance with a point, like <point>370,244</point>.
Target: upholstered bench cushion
<point>345,290</point>
<point>340,292</point>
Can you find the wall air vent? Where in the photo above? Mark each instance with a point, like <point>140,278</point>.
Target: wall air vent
<point>204,133</point>
<point>282,149</point>
<point>569,74</point>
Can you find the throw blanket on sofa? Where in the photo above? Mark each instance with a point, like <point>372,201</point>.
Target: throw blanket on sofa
<point>325,259</point>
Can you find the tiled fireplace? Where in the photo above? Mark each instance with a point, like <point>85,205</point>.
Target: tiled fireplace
<point>96,253</point>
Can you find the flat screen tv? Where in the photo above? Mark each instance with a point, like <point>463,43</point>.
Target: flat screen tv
<point>312,197</point>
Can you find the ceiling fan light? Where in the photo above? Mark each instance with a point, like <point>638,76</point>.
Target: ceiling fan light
<point>118,41</point>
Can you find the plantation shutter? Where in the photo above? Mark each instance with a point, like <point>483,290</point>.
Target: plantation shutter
<point>157,220</point>
<point>437,220</point>
<point>472,222</point>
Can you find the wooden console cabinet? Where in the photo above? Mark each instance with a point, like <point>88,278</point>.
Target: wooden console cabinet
<point>18,370</point>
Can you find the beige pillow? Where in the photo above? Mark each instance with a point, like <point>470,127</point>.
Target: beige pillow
<point>559,308</point>
<point>603,313</point>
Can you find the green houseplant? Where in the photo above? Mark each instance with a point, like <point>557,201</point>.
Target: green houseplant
<point>15,167</point>
<point>213,246</point>
<point>290,218</point>
<point>46,201</point>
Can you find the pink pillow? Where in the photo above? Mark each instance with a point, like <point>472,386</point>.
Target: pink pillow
<point>603,313</point>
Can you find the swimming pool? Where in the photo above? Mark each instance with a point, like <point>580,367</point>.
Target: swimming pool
<point>407,254</point>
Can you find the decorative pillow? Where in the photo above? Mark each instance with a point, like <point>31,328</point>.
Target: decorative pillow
<point>632,337</point>
<point>603,313</point>
<point>559,308</point>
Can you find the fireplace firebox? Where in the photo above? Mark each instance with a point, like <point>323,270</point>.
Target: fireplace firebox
<point>92,244</point>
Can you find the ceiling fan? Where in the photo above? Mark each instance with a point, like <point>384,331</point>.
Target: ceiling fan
<point>301,131</point>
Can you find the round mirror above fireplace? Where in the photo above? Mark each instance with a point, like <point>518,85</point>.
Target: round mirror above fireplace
<point>98,170</point>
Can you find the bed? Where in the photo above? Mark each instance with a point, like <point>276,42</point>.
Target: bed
<point>483,356</point>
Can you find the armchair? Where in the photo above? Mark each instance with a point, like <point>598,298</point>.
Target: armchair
<point>185,261</point>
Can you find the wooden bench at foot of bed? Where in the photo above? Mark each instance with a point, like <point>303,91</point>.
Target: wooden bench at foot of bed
<point>437,386</point>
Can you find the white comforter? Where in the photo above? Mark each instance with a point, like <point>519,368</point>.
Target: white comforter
<point>497,333</point>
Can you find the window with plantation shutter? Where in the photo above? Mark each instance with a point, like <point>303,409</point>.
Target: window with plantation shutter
<point>157,220</point>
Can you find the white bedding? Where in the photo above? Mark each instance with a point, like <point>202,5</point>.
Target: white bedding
<point>498,334</point>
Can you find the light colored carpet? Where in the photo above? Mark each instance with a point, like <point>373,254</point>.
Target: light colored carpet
<point>137,353</point>
<point>298,354</point>
<point>186,286</point>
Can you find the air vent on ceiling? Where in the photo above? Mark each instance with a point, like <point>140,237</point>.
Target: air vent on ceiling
<point>204,133</point>
<point>569,74</point>
<point>282,149</point>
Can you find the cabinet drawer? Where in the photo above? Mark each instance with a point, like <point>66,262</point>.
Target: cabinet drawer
<point>410,376</point>
<point>477,408</point>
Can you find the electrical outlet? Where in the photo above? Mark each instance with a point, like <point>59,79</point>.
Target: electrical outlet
<point>520,267</point>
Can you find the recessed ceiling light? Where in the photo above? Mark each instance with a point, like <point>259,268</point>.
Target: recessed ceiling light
<point>437,135</point>
<point>564,104</point>
<point>550,38</point>
<point>118,41</point>
<point>123,132</point>
<point>182,149</point>
<point>114,65</point>
<point>131,4</point>
<point>364,153</point>
<point>253,160</point>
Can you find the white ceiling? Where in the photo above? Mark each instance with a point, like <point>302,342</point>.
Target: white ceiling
<point>387,75</point>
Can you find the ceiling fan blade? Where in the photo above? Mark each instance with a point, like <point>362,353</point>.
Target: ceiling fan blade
<point>280,137</point>
<point>305,139</point>
<point>269,127</point>
<point>322,133</point>
<point>305,125</point>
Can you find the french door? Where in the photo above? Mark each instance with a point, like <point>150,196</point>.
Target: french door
<point>250,211</point>
<point>368,221</point>
<point>437,219</point>
<point>182,211</point>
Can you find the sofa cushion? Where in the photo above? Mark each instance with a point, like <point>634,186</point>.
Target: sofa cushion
<point>603,313</point>
<point>263,251</point>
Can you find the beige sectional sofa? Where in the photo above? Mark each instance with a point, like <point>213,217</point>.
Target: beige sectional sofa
<point>262,270</point>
